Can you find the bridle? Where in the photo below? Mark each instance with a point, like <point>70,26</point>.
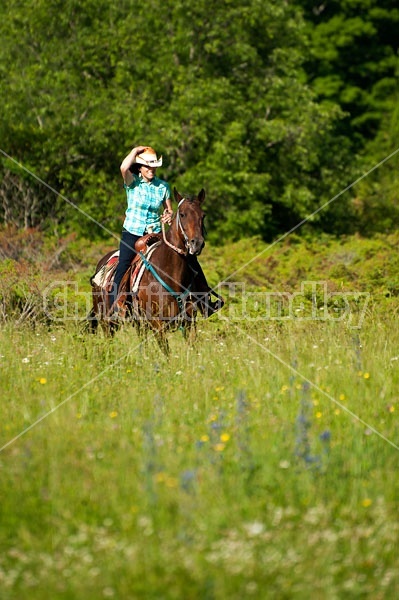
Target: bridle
<point>179,226</point>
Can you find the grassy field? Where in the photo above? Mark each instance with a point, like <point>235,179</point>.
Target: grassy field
<point>259,463</point>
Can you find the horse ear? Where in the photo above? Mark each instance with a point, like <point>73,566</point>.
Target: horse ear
<point>178,196</point>
<point>201,196</point>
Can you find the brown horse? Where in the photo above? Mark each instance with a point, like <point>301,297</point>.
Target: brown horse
<point>164,298</point>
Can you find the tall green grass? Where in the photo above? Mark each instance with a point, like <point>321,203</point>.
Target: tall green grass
<point>231,469</point>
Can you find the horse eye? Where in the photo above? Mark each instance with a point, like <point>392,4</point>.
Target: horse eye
<point>182,215</point>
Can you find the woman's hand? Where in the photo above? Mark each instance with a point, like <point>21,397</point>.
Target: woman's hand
<point>166,216</point>
<point>138,150</point>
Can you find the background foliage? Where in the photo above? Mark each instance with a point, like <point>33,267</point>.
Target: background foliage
<point>273,108</point>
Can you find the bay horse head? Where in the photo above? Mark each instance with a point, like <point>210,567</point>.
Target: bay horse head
<point>189,222</point>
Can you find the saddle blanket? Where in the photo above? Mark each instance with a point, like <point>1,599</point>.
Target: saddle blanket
<point>100,277</point>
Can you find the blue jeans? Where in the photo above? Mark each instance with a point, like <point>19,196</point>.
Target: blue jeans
<point>126,255</point>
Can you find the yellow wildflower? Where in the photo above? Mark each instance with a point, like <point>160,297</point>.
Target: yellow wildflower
<point>224,437</point>
<point>366,375</point>
<point>171,482</point>
<point>318,415</point>
<point>204,438</point>
<point>219,447</point>
<point>42,380</point>
<point>113,414</point>
<point>367,502</point>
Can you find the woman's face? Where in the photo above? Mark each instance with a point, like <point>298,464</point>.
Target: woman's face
<point>148,173</point>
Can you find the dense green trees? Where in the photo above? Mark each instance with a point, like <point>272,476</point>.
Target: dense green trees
<point>353,59</point>
<point>250,100</point>
<point>353,62</point>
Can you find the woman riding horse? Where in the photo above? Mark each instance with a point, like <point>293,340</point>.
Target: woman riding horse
<point>146,194</point>
<point>157,290</point>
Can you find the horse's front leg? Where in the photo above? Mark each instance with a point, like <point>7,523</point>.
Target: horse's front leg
<point>159,329</point>
<point>190,322</point>
<point>191,334</point>
<point>163,342</point>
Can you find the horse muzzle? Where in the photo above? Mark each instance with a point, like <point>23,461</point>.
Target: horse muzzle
<point>195,246</point>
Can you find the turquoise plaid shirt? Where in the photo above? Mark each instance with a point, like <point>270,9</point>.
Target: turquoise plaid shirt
<point>144,201</point>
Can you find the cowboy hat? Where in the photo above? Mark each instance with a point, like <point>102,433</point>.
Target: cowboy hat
<point>149,158</point>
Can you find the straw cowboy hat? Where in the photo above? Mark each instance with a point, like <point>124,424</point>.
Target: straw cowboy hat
<point>149,158</point>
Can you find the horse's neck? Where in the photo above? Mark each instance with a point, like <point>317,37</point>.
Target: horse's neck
<point>172,256</point>
<point>175,239</point>
<point>173,263</point>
